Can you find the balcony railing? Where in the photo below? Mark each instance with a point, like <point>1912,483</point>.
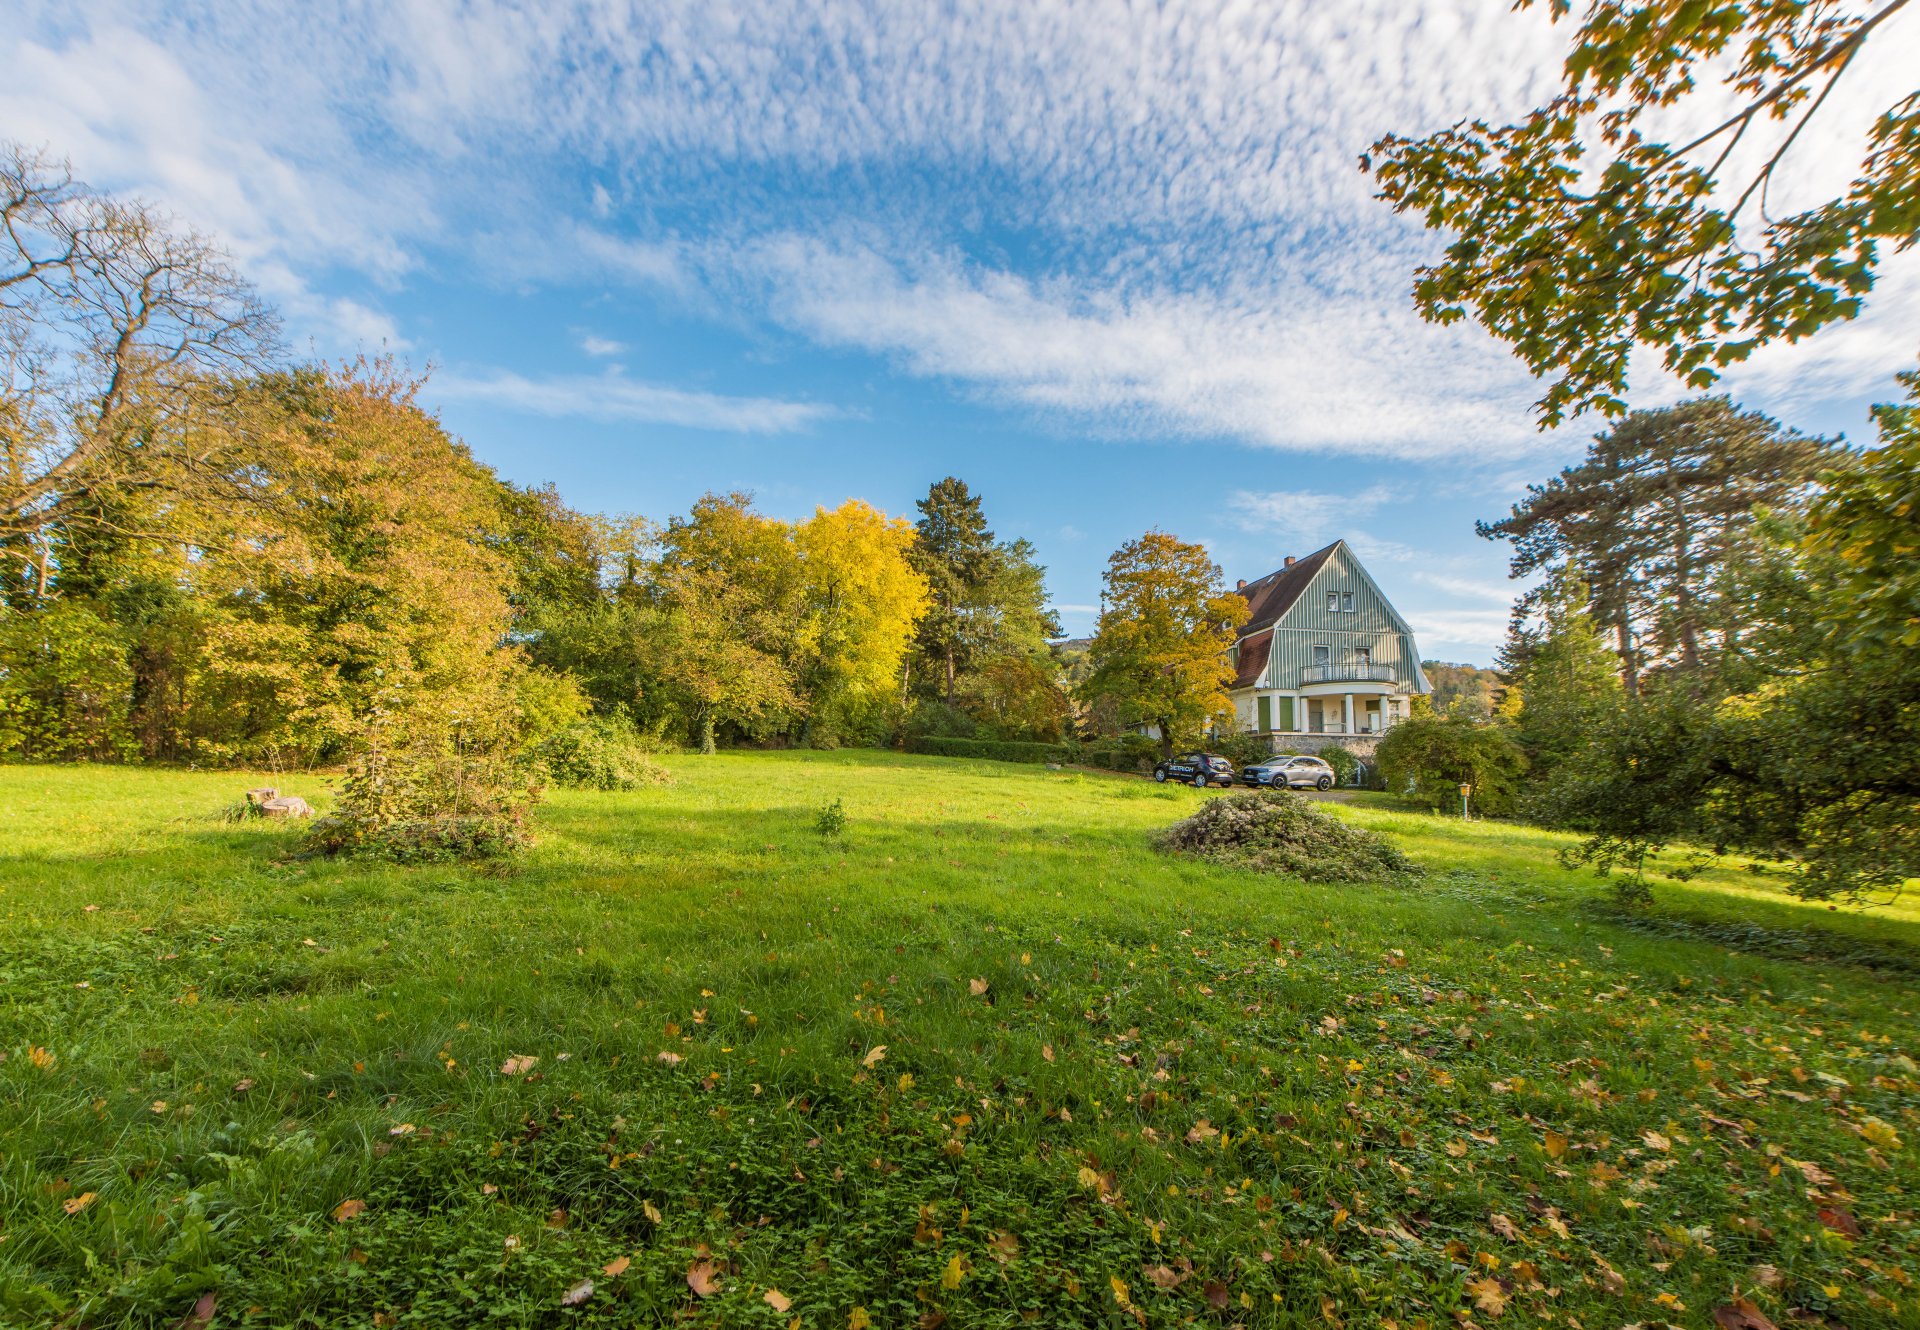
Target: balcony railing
<point>1351,672</point>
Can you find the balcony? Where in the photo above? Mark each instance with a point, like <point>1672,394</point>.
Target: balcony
<point>1350,672</point>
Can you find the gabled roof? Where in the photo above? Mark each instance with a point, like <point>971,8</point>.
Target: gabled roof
<point>1252,659</point>
<point>1272,596</point>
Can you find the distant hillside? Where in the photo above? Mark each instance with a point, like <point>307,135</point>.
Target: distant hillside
<point>1472,689</point>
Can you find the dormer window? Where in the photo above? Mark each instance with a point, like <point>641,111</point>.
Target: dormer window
<point>1333,602</point>
<point>1346,601</point>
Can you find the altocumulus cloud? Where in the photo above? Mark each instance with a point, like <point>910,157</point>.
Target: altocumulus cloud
<point>1144,220</point>
<point>614,397</point>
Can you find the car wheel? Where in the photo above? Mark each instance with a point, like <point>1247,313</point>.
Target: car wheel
<point>1160,774</point>
<point>1324,783</point>
<point>1199,780</point>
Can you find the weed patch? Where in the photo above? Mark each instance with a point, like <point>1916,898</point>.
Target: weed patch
<point>1276,831</point>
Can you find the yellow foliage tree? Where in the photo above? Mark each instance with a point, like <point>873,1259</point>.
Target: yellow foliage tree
<point>1159,652</point>
<point>863,598</point>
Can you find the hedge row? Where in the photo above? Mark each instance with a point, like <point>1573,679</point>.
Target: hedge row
<point>1138,757</point>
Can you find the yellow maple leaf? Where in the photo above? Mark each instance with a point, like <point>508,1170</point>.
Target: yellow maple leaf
<point>874,1056</point>
<point>955,1272</point>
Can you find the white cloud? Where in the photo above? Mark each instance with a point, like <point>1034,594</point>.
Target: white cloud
<point>1306,515</point>
<point>598,346</point>
<point>1470,588</point>
<point>1145,220</point>
<point>1484,630</point>
<point>613,397</point>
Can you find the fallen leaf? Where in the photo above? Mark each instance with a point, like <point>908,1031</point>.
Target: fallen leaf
<point>1202,1130</point>
<point>1216,1294</point>
<point>348,1210</point>
<point>201,1316</point>
<point>1835,1220</point>
<point>875,1056</point>
<point>1656,1140</point>
<point>857,1319</point>
<point>243,1085</point>
<point>1488,1296</point>
<point>1555,1143</point>
<point>1046,1051</point>
<point>616,1267</point>
<point>578,1294</point>
<point>78,1203</point>
<point>517,1065</point>
<point>1740,1314</point>
<point>1119,1287</point>
<point>955,1272</point>
<point>1504,1227</point>
<point>1004,1247</point>
<point>777,1300</point>
<point>671,1059</point>
<point>1161,1276</point>
<point>1457,1148</point>
<point>703,1277</point>
<point>650,1210</point>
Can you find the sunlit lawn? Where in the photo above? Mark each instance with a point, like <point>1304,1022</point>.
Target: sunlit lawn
<point>987,1060</point>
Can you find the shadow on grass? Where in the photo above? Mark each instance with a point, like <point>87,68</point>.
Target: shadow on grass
<point>1814,946</point>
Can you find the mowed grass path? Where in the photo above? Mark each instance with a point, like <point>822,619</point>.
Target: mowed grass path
<point>986,1061</point>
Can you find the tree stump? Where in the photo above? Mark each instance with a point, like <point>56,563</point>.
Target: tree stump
<point>291,805</point>
<point>261,795</point>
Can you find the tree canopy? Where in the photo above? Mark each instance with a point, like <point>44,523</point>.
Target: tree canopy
<point>1598,223</point>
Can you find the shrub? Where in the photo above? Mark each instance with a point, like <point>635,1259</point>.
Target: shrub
<point>1242,749</point>
<point>1428,758</point>
<point>1277,831</point>
<point>937,720</point>
<point>422,840</point>
<point>1345,765</point>
<point>831,820</point>
<point>1134,752</point>
<point>996,750</point>
<point>599,753</point>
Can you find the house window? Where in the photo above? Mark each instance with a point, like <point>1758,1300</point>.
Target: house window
<point>1333,602</point>
<point>1323,655</point>
<point>1346,601</point>
<point>1363,655</point>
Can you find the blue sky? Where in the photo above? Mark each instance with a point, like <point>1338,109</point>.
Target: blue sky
<point>1112,264</point>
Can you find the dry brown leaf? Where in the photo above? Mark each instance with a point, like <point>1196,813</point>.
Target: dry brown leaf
<point>1161,1276</point>
<point>703,1277</point>
<point>518,1065</point>
<point>777,1300</point>
<point>1216,1294</point>
<point>1836,1220</point>
<point>1555,1144</point>
<point>1046,1051</point>
<point>348,1210</point>
<point>1504,1227</point>
<point>1488,1296</point>
<point>616,1267</point>
<point>670,1058</point>
<point>1740,1314</point>
<point>76,1204</point>
<point>978,987</point>
<point>1202,1130</point>
<point>875,1056</point>
<point>651,1211</point>
<point>1656,1140</point>
<point>1457,1148</point>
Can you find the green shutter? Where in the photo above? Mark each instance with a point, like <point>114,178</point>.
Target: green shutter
<point>1286,715</point>
<point>1266,713</point>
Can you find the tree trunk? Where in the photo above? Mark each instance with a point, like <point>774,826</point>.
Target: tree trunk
<point>1166,739</point>
<point>951,672</point>
<point>706,732</point>
<point>1629,672</point>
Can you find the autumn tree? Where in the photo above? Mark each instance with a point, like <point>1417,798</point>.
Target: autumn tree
<point>1655,513</point>
<point>119,331</point>
<point>1588,228</point>
<point>862,597</point>
<point>1159,651</point>
<point>729,594</point>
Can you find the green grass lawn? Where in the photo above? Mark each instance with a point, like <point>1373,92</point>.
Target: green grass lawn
<point>987,1060</point>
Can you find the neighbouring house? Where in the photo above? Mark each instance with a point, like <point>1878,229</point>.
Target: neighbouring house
<point>1323,657</point>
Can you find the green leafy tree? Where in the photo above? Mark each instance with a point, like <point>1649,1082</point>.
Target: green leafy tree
<point>1654,515</point>
<point>1564,683</point>
<point>1427,758</point>
<point>1468,689</point>
<point>1582,230</point>
<point>729,594</point>
<point>1159,652</point>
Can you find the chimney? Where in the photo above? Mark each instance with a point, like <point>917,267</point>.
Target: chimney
<point>1241,585</point>
<point>1289,562</point>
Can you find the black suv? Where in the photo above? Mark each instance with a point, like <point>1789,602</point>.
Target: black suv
<point>1197,769</point>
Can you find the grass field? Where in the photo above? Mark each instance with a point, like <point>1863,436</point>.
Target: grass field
<point>985,1060</point>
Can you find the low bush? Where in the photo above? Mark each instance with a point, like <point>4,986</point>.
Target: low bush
<point>426,840</point>
<point>1277,831</point>
<point>1346,767</point>
<point>1135,753</point>
<point>599,753</point>
<point>1242,749</point>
